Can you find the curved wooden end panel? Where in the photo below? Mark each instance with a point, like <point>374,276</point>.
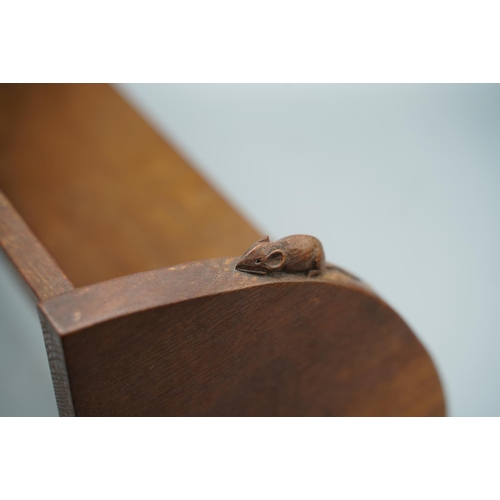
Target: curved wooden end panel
<point>204,339</point>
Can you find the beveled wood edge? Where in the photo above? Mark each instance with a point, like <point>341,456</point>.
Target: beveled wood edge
<point>36,266</point>
<point>86,306</point>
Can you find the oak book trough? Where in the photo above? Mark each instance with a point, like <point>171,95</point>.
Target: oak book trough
<point>157,298</point>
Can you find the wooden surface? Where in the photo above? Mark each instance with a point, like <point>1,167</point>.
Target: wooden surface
<point>204,339</point>
<point>102,190</point>
<point>57,364</point>
<point>31,259</point>
<point>109,198</point>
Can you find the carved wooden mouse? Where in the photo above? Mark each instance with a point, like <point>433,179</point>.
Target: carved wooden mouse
<point>294,254</point>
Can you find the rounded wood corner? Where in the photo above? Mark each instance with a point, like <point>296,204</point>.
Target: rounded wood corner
<point>204,339</point>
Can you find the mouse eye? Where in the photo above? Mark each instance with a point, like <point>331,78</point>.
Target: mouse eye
<point>258,261</point>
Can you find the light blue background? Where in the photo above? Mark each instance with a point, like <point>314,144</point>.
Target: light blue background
<point>400,182</point>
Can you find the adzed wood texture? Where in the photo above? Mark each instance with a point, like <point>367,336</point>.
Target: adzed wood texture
<point>202,339</point>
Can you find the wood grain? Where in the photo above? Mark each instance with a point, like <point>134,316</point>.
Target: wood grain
<point>102,190</point>
<point>57,364</point>
<point>109,198</point>
<point>202,339</point>
<point>31,259</point>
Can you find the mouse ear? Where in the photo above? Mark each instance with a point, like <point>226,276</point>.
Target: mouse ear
<point>275,259</point>
<point>258,243</point>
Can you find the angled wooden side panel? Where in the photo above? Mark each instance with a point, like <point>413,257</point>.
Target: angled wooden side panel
<point>38,269</point>
<point>105,193</point>
<point>202,339</point>
<point>44,278</point>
